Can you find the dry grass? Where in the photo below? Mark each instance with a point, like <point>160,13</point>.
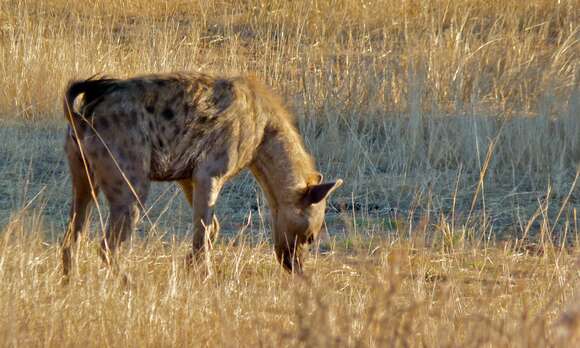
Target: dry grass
<point>387,292</point>
<point>372,56</point>
<point>455,124</point>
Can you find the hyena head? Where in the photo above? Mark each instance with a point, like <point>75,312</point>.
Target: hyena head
<point>300,224</point>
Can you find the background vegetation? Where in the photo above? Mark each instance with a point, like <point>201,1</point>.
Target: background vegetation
<point>455,124</point>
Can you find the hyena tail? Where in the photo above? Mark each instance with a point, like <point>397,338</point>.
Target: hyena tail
<point>93,90</point>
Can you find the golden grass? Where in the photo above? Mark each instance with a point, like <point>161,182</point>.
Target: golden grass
<point>503,55</point>
<point>389,292</point>
<point>455,125</point>
<point>411,86</point>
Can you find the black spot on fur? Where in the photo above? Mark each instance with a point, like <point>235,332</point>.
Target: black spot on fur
<point>168,114</point>
<point>177,97</point>
<point>132,118</point>
<point>117,191</point>
<point>186,108</point>
<point>198,132</point>
<point>223,94</point>
<point>93,152</point>
<point>115,118</point>
<point>160,142</point>
<point>122,156</point>
<point>133,179</point>
<point>140,86</point>
<point>102,124</point>
<point>82,126</point>
<point>160,83</point>
<point>202,119</point>
<point>151,124</point>
<point>151,101</point>
<point>222,154</point>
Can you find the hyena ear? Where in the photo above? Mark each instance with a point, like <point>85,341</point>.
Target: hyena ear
<point>314,179</point>
<point>316,193</point>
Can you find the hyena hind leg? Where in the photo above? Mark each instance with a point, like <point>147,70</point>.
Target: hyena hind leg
<point>82,184</point>
<point>122,221</point>
<point>126,200</point>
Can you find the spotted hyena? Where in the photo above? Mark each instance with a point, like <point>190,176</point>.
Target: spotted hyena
<point>200,131</point>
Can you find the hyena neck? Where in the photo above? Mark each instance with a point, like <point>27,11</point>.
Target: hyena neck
<point>282,166</point>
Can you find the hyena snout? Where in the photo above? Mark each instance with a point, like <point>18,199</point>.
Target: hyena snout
<point>291,258</point>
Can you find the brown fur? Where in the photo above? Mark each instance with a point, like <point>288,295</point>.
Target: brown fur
<point>198,130</point>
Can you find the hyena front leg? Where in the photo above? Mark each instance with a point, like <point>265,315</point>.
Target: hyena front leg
<point>82,184</point>
<point>188,190</point>
<point>205,223</point>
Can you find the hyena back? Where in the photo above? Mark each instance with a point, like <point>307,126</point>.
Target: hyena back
<point>198,130</point>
